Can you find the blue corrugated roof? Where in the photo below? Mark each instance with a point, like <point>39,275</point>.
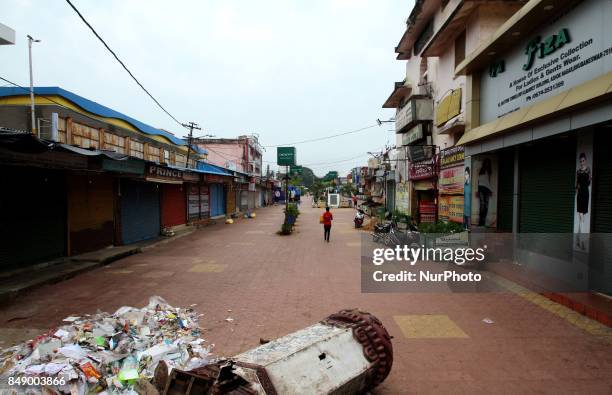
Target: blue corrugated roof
<point>212,169</point>
<point>94,108</point>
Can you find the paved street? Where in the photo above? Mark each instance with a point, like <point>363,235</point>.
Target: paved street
<point>272,285</point>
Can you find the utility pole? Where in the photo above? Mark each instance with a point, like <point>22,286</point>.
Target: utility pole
<point>33,116</point>
<point>191,126</point>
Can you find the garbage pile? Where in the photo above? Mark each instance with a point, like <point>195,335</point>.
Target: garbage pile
<point>104,353</point>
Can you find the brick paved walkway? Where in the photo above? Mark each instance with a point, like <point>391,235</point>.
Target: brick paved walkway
<point>274,285</point>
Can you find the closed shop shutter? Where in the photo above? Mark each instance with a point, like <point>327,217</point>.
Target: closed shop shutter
<point>173,205</point>
<point>505,191</point>
<point>244,200</point>
<point>32,216</point>
<point>90,212</point>
<point>231,200</point>
<point>217,200</point>
<point>547,190</point>
<point>139,211</point>
<point>600,273</point>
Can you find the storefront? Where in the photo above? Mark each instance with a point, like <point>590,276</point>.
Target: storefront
<point>539,148</point>
<point>451,184</point>
<point>422,174</point>
<point>198,200</point>
<point>90,212</point>
<point>32,216</point>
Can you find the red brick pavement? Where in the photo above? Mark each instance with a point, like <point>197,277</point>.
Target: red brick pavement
<point>274,285</point>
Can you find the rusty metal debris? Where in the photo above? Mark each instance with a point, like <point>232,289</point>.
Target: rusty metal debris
<point>349,352</point>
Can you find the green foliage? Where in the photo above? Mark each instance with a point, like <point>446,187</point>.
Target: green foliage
<point>348,190</point>
<point>292,209</point>
<point>398,216</point>
<point>441,227</point>
<point>286,229</point>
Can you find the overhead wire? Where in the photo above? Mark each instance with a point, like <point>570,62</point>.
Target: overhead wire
<point>322,138</point>
<point>121,63</point>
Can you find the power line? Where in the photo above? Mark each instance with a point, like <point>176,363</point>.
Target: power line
<point>120,62</point>
<point>321,138</point>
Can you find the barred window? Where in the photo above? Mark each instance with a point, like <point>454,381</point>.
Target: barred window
<point>180,159</point>
<point>85,136</point>
<point>136,149</point>
<point>154,154</point>
<point>114,142</point>
<point>61,130</point>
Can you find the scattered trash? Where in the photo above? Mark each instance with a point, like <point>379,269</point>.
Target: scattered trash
<point>168,232</point>
<point>263,341</point>
<point>229,221</point>
<point>115,353</point>
<point>229,310</point>
<point>488,321</point>
<point>229,319</point>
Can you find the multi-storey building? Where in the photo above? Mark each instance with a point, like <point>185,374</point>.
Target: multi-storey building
<point>430,102</point>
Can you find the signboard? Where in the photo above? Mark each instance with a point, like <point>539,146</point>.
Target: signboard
<point>124,166</point>
<point>285,156</point>
<point>570,51</point>
<point>418,153</point>
<point>414,134</point>
<point>417,109</point>
<point>450,208</point>
<point>297,170</point>
<point>422,170</point>
<point>451,180</point>
<point>164,174</point>
<point>402,198</point>
<point>452,156</point>
<point>191,177</point>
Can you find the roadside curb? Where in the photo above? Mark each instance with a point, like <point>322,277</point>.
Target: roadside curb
<point>73,266</point>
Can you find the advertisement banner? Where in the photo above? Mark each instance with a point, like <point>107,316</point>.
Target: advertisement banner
<point>484,175</point>
<point>582,202</point>
<point>451,157</point>
<point>422,170</point>
<point>452,180</point>
<point>402,198</point>
<point>450,208</point>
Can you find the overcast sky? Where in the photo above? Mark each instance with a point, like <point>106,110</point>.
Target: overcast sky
<point>287,70</point>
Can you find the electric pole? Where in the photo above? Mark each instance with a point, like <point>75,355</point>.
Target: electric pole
<point>32,112</point>
<point>191,126</point>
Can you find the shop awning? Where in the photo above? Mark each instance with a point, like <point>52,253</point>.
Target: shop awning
<point>92,152</point>
<point>598,89</point>
<point>22,141</point>
<point>207,168</point>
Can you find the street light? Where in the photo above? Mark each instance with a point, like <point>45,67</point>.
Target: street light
<point>30,41</point>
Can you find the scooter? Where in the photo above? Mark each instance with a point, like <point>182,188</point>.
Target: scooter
<point>358,220</point>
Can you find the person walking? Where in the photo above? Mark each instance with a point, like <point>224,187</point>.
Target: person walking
<point>327,223</point>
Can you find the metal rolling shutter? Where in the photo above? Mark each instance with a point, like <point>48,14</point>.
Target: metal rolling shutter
<point>600,273</point>
<point>505,191</point>
<point>547,190</point>
<point>173,205</point>
<point>139,211</point>
<point>32,216</point>
<point>90,212</point>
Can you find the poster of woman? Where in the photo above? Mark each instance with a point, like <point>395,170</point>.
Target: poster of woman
<point>484,189</point>
<point>584,178</point>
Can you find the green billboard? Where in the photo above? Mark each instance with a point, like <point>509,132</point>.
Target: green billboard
<point>285,156</point>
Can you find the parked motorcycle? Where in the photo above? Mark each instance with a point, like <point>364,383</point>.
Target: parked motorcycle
<point>359,217</point>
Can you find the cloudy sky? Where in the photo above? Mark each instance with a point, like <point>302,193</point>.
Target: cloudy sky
<point>287,70</point>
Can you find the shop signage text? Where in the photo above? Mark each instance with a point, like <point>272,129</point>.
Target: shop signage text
<point>452,156</point>
<point>569,52</point>
<point>164,173</point>
<point>414,134</point>
<point>285,156</point>
<point>422,170</point>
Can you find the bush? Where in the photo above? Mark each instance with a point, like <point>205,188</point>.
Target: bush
<point>441,227</point>
<point>286,229</point>
<point>292,209</point>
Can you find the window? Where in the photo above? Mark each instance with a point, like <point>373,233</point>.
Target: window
<point>166,156</point>
<point>180,159</point>
<point>154,154</point>
<point>136,149</point>
<point>61,130</point>
<point>460,48</point>
<point>114,143</point>
<point>85,136</point>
